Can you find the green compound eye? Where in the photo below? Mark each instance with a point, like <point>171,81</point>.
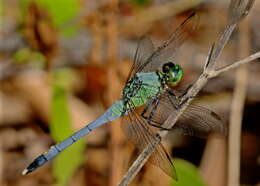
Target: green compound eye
<point>173,73</point>
<point>168,67</point>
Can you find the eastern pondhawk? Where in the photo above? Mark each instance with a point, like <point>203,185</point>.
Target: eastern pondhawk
<point>148,101</point>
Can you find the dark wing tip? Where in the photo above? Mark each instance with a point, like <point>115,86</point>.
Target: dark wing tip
<point>174,174</point>
<point>223,129</point>
<point>214,115</point>
<point>193,18</point>
<point>191,15</point>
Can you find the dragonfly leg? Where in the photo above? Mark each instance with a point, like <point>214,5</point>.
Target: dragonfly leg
<point>148,119</point>
<point>181,92</point>
<point>154,104</point>
<point>186,90</point>
<point>158,126</point>
<point>153,109</point>
<point>175,101</point>
<point>149,105</point>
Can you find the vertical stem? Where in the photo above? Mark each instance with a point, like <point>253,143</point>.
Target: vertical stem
<point>212,167</point>
<point>113,93</point>
<point>95,54</point>
<point>1,165</point>
<point>237,108</point>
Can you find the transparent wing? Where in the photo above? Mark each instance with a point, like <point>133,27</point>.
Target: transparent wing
<point>144,50</point>
<point>137,130</point>
<point>199,121</point>
<point>147,59</point>
<point>169,47</point>
<point>195,121</point>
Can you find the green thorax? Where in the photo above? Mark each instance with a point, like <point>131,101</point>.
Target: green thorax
<point>150,86</point>
<point>138,91</point>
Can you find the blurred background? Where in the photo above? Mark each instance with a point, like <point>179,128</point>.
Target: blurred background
<point>63,62</point>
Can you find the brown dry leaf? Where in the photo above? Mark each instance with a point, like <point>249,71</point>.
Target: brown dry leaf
<point>96,82</point>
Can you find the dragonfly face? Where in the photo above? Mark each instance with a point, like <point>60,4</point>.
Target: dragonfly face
<point>172,73</point>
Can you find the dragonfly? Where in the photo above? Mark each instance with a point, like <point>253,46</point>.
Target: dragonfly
<point>148,99</point>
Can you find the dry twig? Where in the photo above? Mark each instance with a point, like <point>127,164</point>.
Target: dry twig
<point>237,10</point>
<point>237,108</point>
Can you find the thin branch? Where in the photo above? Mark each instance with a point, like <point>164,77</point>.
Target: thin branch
<point>192,92</point>
<point>219,46</point>
<point>236,64</point>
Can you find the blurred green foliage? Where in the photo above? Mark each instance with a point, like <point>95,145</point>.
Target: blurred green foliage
<point>26,55</point>
<point>68,161</point>
<point>187,173</point>
<point>140,3</point>
<point>1,13</point>
<point>62,13</point>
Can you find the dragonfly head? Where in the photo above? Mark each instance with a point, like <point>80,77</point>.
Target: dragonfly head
<point>172,73</point>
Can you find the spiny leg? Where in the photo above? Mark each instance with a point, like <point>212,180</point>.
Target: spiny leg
<point>175,100</point>
<point>149,105</point>
<point>154,104</point>
<point>185,91</point>
<point>153,109</point>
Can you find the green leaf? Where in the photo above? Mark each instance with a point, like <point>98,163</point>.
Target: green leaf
<point>25,56</point>
<point>62,13</point>
<point>69,160</point>
<point>187,173</point>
